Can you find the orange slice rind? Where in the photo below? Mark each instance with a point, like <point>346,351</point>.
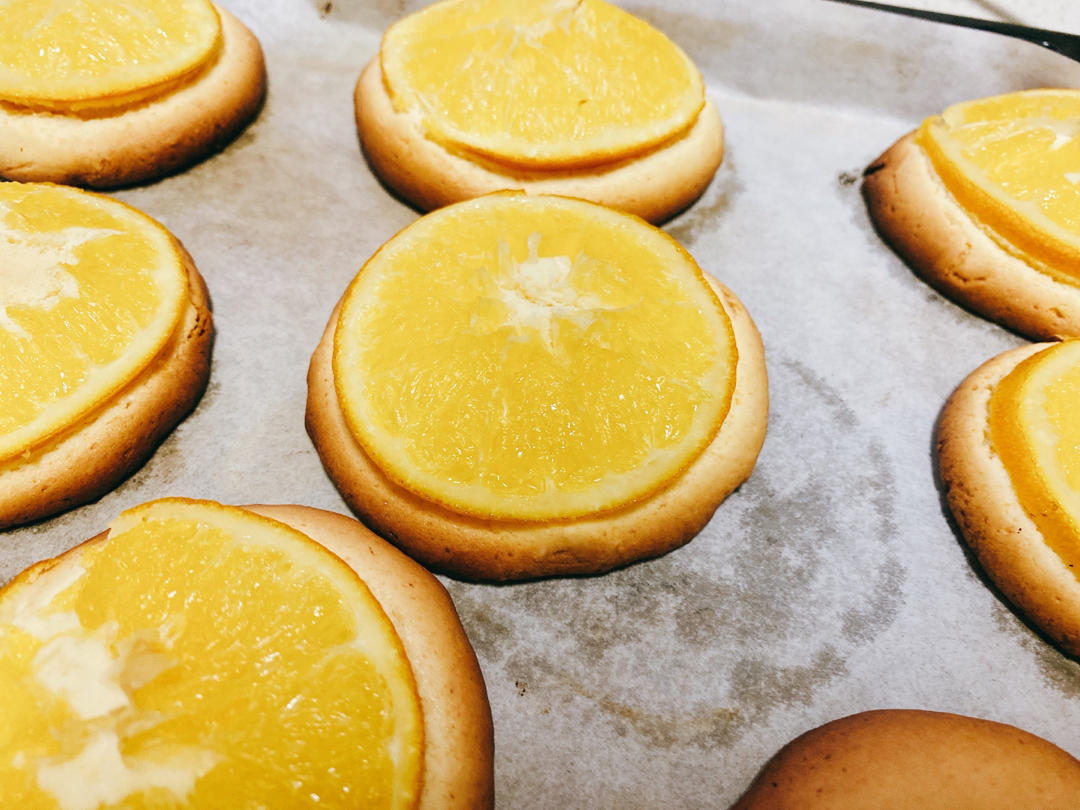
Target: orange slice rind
<point>85,54</point>
<point>549,84</point>
<point>90,291</point>
<point>202,655</point>
<point>532,358</point>
<point>1013,163</point>
<point>1035,431</point>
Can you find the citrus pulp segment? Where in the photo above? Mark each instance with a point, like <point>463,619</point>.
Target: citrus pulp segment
<point>1013,161</point>
<point>203,656</point>
<point>548,84</point>
<point>90,291</point>
<point>532,358</point>
<point>86,53</point>
<point>1035,430</point>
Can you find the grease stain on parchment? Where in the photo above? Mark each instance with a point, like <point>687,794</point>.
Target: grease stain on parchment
<point>757,614</point>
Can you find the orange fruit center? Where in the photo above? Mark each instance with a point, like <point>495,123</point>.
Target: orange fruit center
<point>202,656</point>
<point>532,358</point>
<point>546,84</point>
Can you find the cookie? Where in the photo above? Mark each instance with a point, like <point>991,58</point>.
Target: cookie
<point>141,135</point>
<point>977,201</point>
<point>906,758</point>
<point>360,688</point>
<point>559,363</point>
<point>74,428</point>
<point>652,165</point>
<point>991,473</point>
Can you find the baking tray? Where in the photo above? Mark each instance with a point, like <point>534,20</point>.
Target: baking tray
<point>831,582</point>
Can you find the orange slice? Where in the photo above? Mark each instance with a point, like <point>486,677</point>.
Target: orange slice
<point>202,656</point>
<point>532,358</point>
<point>90,291</point>
<point>1013,162</point>
<point>1035,430</point>
<point>542,83</point>
<point>80,54</point>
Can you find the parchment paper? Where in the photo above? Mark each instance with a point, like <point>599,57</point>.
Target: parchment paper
<point>831,582</point>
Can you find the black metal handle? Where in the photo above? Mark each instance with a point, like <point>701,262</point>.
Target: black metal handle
<point>1057,41</point>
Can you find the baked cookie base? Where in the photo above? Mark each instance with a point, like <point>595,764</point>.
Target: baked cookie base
<point>93,456</point>
<point>147,140</point>
<point>956,255</point>
<point>655,186</point>
<point>980,495</point>
<point>907,758</point>
<point>473,548</point>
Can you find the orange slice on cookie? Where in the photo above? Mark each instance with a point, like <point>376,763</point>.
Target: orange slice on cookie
<point>200,655</point>
<point>90,291</point>
<point>82,54</point>
<point>533,358</point>
<point>548,84</point>
<point>518,386</point>
<point>983,201</point>
<point>1013,161</point>
<point>1009,459</point>
<point>1035,430</point>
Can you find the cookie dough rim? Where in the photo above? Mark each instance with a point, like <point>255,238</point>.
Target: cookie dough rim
<point>954,253</point>
<point>655,185</point>
<point>494,550</point>
<point>95,454</point>
<point>147,140</point>
<point>979,492</point>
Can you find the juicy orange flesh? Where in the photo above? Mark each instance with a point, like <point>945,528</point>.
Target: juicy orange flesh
<point>533,359</point>
<point>1014,161</point>
<point>55,53</point>
<point>1035,430</point>
<point>235,680</point>
<point>540,83</point>
<point>90,290</point>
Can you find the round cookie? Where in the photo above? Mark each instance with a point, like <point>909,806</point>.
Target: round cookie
<point>953,253</point>
<point>503,550</point>
<point>982,499</point>
<point>654,184</point>
<point>896,759</point>
<point>146,140</point>
<point>99,450</point>
<point>457,733</point>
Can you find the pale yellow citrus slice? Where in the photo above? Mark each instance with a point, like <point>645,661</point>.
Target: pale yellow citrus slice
<point>532,358</point>
<point>78,54</point>
<point>203,656</point>
<point>1035,431</point>
<point>90,291</point>
<point>1013,162</point>
<point>545,83</point>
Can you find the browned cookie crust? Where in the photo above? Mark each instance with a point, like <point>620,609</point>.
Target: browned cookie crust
<point>94,455</point>
<point>655,186</point>
<point>458,771</point>
<point>958,255</point>
<point>503,550</point>
<point>980,494</point>
<point>906,759</point>
<point>145,141</point>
